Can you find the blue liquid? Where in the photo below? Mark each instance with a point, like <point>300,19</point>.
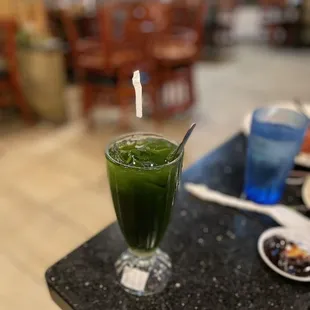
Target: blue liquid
<point>271,152</point>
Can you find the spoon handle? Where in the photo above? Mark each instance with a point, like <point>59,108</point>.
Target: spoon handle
<point>186,137</point>
<point>206,193</point>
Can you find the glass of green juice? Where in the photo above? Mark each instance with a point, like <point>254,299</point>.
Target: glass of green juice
<point>143,184</point>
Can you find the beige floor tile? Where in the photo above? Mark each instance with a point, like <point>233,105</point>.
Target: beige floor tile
<point>57,139</point>
<point>16,212</point>
<point>42,242</point>
<point>44,182</point>
<point>25,246</point>
<point>94,143</point>
<point>14,146</point>
<point>90,208</point>
<point>19,291</point>
<point>38,147</point>
<point>79,163</point>
<point>12,162</point>
<point>24,255</point>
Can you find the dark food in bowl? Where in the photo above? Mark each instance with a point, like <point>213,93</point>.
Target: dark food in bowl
<point>287,256</point>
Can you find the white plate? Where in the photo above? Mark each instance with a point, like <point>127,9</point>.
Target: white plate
<point>296,236</point>
<point>301,159</point>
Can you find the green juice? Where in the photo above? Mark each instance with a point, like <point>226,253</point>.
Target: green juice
<point>143,186</point>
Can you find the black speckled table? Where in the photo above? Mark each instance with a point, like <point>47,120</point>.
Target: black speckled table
<point>213,249</point>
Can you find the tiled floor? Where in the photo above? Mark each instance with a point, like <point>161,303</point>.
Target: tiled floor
<point>54,192</point>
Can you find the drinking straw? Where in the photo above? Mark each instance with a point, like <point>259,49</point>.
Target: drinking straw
<point>138,91</point>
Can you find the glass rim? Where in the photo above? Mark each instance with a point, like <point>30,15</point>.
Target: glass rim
<point>265,109</point>
<point>122,137</point>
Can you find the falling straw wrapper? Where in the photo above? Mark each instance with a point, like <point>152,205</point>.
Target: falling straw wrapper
<point>138,91</point>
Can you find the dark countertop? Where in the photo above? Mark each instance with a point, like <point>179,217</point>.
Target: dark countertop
<point>213,249</point>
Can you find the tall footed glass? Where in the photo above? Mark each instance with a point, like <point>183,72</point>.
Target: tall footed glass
<point>143,186</point>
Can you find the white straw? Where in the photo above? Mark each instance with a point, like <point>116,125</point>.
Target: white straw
<point>138,91</point>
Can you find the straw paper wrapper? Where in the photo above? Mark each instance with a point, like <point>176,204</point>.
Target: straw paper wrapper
<point>138,91</point>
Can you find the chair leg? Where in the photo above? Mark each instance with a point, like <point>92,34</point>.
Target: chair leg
<point>21,102</point>
<point>153,92</point>
<point>156,109</point>
<point>191,87</point>
<point>87,102</point>
<point>123,102</point>
<point>164,98</point>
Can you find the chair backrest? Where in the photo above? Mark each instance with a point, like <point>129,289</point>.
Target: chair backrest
<point>227,5</point>
<point>189,14</point>
<point>71,33</point>
<point>8,46</point>
<point>266,3</point>
<point>131,24</point>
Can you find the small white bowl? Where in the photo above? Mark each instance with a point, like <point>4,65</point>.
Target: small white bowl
<point>293,235</point>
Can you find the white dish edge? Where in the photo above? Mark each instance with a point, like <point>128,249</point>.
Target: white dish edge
<point>290,235</point>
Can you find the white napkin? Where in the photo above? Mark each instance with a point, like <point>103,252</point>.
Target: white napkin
<point>202,192</point>
<point>282,214</point>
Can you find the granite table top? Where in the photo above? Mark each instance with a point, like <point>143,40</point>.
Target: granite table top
<point>213,249</point>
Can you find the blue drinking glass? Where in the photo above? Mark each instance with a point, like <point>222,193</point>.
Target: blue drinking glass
<point>274,141</point>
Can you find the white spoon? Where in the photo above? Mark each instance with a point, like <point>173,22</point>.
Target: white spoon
<point>280,213</point>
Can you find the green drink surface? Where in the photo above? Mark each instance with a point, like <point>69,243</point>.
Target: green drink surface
<point>143,186</point>
<point>148,152</point>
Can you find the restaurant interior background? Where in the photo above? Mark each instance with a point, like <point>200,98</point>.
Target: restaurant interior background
<point>212,62</point>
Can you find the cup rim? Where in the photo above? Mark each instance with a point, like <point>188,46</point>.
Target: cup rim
<point>122,137</point>
<point>302,123</point>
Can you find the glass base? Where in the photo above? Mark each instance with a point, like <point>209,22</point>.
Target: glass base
<point>143,275</point>
<point>264,196</point>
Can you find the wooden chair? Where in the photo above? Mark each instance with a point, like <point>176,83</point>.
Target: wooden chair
<point>282,28</point>
<point>10,80</point>
<point>177,51</point>
<point>126,30</point>
<point>184,19</point>
<point>77,45</point>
